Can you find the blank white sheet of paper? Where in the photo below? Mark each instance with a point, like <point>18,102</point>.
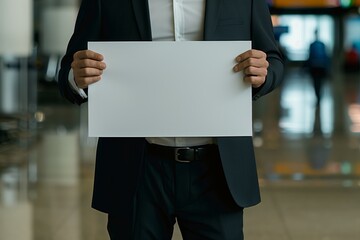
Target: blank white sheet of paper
<point>170,89</point>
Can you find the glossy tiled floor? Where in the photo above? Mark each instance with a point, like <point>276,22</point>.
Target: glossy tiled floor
<point>308,161</point>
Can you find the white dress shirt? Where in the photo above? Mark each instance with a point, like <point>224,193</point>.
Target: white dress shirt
<point>172,20</point>
<point>177,20</point>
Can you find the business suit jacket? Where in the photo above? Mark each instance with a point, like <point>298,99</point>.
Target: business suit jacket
<point>119,160</point>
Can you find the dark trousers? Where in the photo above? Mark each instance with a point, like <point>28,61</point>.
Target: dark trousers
<point>194,194</point>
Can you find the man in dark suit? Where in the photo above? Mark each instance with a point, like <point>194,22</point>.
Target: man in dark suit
<point>146,184</point>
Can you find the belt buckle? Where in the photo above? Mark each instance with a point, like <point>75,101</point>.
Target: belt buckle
<point>177,154</point>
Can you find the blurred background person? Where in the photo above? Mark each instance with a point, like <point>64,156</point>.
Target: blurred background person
<point>318,65</point>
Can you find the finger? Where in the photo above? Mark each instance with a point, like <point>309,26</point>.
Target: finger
<point>84,82</point>
<point>88,54</point>
<point>88,63</point>
<point>87,72</point>
<point>86,76</point>
<point>255,71</point>
<point>254,62</point>
<point>255,81</point>
<point>253,53</point>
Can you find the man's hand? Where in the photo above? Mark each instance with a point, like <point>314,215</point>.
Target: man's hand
<point>254,65</point>
<point>87,67</point>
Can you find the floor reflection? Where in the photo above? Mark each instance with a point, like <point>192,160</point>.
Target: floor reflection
<point>300,113</point>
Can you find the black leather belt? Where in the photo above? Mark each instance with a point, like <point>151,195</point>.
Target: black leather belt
<point>184,154</point>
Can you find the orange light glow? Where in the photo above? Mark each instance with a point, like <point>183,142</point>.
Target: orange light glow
<point>306,3</point>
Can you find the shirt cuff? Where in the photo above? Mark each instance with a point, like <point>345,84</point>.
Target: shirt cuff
<point>74,87</point>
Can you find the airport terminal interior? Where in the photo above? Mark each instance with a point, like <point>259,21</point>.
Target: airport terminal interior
<point>307,146</point>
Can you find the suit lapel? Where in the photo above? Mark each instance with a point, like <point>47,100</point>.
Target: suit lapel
<point>212,10</point>
<point>141,11</point>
